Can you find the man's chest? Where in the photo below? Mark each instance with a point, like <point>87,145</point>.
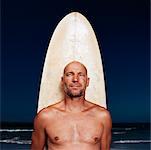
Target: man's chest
<point>74,129</point>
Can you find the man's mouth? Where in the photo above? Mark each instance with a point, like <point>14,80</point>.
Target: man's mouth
<point>75,85</point>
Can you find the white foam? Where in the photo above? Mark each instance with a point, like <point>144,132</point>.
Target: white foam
<point>130,128</point>
<point>131,141</point>
<point>121,132</point>
<point>16,130</point>
<point>13,141</point>
<point>17,141</point>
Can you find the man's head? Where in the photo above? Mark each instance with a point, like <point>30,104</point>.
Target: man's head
<point>75,79</point>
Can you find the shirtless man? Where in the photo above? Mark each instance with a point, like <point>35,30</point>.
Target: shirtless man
<point>73,123</point>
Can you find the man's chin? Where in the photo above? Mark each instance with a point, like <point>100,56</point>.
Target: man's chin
<point>75,94</point>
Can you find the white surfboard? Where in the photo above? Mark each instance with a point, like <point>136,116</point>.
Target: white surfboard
<point>73,39</point>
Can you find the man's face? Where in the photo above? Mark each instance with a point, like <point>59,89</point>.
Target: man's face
<point>75,80</point>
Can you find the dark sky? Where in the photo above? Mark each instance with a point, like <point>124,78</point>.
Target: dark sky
<point>122,30</point>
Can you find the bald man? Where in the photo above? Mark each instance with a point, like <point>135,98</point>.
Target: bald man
<point>73,123</point>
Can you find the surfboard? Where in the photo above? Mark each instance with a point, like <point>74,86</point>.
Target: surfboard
<point>72,40</point>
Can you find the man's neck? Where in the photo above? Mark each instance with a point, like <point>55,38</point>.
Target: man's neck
<point>75,104</point>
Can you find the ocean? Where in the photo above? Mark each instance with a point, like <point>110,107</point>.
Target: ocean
<point>124,137</point>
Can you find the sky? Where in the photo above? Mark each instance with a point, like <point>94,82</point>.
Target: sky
<point>122,29</point>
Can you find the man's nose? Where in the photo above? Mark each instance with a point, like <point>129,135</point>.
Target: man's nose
<point>75,78</point>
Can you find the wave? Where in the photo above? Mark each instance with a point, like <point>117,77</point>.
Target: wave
<point>14,141</point>
<point>131,128</point>
<point>16,130</point>
<point>117,130</point>
<point>120,132</point>
<point>131,141</point>
<point>125,129</point>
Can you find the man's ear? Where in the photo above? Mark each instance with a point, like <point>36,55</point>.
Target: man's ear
<point>61,81</point>
<point>88,80</point>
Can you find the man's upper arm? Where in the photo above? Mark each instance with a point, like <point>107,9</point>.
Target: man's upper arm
<point>38,135</point>
<point>106,136</point>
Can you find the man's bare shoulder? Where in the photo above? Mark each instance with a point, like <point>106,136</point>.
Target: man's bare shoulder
<point>101,112</point>
<point>59,106</point>
<point>48,112</point>
<point>97,108</point>
<point>104,115</point>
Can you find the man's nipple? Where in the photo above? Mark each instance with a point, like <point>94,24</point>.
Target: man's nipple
<point>56,138</point>
<point>96,139</point>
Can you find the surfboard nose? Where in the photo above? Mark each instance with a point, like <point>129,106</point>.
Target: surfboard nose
<point>75,19</point>
<point>74,14</point>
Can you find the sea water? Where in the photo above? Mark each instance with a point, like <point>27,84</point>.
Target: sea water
<point>123,138</point>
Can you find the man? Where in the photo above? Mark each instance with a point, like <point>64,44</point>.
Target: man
<point>73,123</point>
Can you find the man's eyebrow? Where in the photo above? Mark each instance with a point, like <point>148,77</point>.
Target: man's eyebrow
<point>81,72</point>
<point>73,72</point>
<point>69,72</point>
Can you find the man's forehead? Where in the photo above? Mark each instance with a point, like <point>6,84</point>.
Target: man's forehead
<point>75,65</point>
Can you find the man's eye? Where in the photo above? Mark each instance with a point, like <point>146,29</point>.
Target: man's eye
<point>82,75</point>
<point>68,74</point>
